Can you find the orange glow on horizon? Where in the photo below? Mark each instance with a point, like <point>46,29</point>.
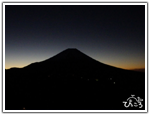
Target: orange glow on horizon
<point>123,67</point>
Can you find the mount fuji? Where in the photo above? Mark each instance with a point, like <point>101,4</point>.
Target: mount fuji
<point>71,80</point>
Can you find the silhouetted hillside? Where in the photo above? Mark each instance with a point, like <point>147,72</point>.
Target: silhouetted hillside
<point>71,80</point>
<point>139,70</point>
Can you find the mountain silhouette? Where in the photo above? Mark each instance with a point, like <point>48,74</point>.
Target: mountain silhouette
<point>71,80</point>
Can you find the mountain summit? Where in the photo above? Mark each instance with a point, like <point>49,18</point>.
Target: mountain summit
<point>70,54</point>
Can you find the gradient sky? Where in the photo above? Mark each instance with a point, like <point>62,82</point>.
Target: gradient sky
<point>113,35</point>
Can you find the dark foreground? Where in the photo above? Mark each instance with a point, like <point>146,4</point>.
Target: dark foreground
<point>69,93</point>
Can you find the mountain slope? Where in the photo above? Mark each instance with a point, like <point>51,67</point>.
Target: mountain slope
<point>71,60</point>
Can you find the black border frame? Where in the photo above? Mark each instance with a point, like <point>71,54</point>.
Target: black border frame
<point>2,2</point>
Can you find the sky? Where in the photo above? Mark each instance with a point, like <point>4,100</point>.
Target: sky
<point>111,34</point>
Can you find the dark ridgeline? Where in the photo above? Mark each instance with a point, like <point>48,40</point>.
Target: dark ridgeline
<point>71,80</point>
